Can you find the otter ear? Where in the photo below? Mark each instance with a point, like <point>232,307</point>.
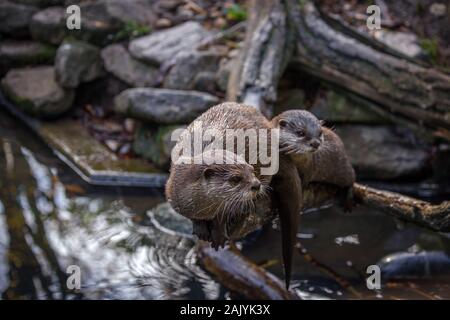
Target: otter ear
<point>208,173</point>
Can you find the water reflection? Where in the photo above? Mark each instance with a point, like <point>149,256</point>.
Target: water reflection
<point>47,225</point>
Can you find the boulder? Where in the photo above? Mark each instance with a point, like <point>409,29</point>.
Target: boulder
<point>77,62</point>
<point>49,25</point>
<point>36,92</point>
<point>187,67</point>
<point>155,144</point>
<point>15,18</point>
<point>382,152</point>
<point>164,106</point>
<point>121,64</point>
<point>14,54</point>
<point>166,45</point>
<point>102,20</point>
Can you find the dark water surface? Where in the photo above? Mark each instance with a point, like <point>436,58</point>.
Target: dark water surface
<point>50,219</point>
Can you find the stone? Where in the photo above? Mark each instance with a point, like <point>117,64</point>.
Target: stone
<point>383,152</point>
<point>163,23</point>
<point>49,25</point>
<point>166,45</point>
<point>415,265</point>
<point>155,144</point>
<point>77,62</point>
<point>164,106</point>
<point>205,81</point>
<point>121,64</point>
<point>223,73</point>
<point>15,18</point>
<point>334,106</point>
<point>102,20</point>
<point>35,91</point>
<point>14,54</point>
<point>187,66</point>
<point>404,42</point>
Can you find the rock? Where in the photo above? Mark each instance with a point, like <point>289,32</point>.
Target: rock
<point>119,62</point>
<point>35,91</point>
<point>77,62</point>
<point>187,66</point>
<point>164,106</point>
<point>334,106</point>
<point>404,42</point>
<point>15,18</point>
<point>163,23</point>
<point>155,144</point>
<point>165,45</point>
<point>49,25</point>
<point>381,152</point>
<point>205,81</point>
<point>167,220</point>
<point>410,265</point>
<point>441,163</point>
<point>14,54</point>
<point>223,74</point>
<point>103,19</point>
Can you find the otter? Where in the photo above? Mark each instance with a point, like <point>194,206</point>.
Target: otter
<point>201,198</point>
<point>318,153</point>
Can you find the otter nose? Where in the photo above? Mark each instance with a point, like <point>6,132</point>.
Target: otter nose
<point>315,143</point>
<point>256,185</point>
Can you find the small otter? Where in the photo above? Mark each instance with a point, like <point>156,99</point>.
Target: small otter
<point>216,195</point>
<point>204,205</point>
<point>317,151</point>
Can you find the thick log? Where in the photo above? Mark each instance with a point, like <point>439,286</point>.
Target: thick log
<point>267,49</point>
<point>242,276</point>
<point>409,91</point>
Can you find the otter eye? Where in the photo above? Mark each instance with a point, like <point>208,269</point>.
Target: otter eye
<point>282,123</point>
<point>235,179</point>
<point>300,133</point>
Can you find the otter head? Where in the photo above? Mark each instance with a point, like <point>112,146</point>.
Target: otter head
<point>300,132</point>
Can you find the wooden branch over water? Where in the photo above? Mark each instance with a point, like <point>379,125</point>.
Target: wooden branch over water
<point>435,217</point>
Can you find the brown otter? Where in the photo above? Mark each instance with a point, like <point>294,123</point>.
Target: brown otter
<point>317,151</point>
<point>285,185</point>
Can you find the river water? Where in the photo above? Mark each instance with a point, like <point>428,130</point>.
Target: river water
<point>51,221</point>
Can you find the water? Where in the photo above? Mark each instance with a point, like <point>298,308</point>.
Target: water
<point>50,220</point>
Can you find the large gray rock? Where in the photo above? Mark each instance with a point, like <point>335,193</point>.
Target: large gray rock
<point>15,54</point>
<point>49,25</point>
<point>155,144</point>
<point>121,64</point>
<point>35,91</point>
<point>380,152</point>
<point>102,20</point>
<point>188,66</point>
<point>166,45</point>
<point>77,62</point>
<point>164,106</point>
<point>15,18</point>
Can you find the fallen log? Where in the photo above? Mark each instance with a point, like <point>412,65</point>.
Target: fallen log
<point>240,275</point>
<point>282,32</point>
<point>434,217</point>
